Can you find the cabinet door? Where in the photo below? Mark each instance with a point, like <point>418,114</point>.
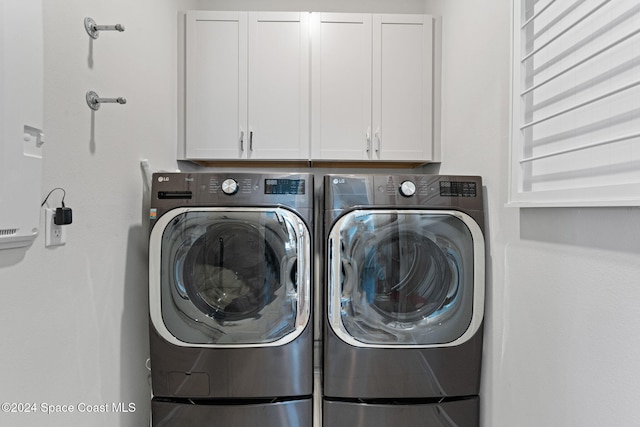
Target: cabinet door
<point>278,85</point>
<point>341,86</point>
<point>216,91</point>
<point>402,87</point>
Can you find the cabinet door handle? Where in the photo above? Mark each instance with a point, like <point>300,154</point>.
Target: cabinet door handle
<point>368,136</point>
<point>241,140</point>
<point>251,141</point>
<point>378,141</point>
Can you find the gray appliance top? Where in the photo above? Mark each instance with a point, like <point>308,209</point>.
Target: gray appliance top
<point>404,191</point>
<point>184,189</point>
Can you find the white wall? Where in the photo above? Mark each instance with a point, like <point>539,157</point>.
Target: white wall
<point>562,345</point>
<point>74,318</point>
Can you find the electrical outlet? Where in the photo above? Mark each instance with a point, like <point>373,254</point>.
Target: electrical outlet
<point>55,235</point>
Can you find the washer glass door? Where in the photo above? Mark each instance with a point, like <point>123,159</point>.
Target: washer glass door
<point>404,277</point>
<point>233,276</point>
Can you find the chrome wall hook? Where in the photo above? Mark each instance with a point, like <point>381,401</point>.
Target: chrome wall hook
<point>94,29</point>
<point>94,101</point>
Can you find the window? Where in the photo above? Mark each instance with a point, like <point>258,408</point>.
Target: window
<point>575,103</point>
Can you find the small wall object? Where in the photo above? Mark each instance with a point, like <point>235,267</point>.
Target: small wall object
<point>94,101</point>
<point>94,29</point>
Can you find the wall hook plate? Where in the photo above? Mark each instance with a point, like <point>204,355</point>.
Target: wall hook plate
<point>92,100</point>
<point>91,27</point>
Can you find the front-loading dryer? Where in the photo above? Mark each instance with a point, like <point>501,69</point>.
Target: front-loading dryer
<point>404,300</point>
<point>230,299</point>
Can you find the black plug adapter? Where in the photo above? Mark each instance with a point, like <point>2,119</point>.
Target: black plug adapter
<point>63,216</point>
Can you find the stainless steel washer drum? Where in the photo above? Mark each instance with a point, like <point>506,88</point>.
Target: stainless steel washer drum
<point>404,277</point>
<point>223,278</point>
<point>231,277</point>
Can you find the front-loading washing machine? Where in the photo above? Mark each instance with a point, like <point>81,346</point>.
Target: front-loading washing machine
<point>404,300</point>
<point>230,269</point>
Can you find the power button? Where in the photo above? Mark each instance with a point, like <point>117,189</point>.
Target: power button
<point>407,188</point>
<point>229,186</point>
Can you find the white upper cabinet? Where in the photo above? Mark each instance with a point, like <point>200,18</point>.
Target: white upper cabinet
<point>341,86</point>
<point>372,87</point>
<point>402,87</point>
<point>309,86</point>
<point>247,91</point>
<point>216,90</point>
<point>279,85</point>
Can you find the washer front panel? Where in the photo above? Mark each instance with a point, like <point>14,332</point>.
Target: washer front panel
<point>230,277</point>
<point>405,278</point>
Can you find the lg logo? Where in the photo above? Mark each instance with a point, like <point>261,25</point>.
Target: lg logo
<point>339,180</point>
<point>163,179</point>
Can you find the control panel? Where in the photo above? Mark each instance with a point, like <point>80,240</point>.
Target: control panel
<point>411,190</point>
<point>173,189</point>
<point>458,189</point>
<point>284,186</point>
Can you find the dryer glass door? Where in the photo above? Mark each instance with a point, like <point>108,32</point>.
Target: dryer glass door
<point>403,277</point>
<point>234,276</point>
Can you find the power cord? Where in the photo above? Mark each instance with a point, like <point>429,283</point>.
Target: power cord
<point>63,214</point>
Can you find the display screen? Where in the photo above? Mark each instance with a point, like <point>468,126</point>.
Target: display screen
<point>284,186</point>
<point>458,189</point>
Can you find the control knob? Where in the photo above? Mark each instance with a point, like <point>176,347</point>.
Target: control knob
<point>229,186</point>
<point>407,188</point>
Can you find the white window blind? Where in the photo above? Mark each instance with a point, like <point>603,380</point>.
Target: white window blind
<point>576,103</point>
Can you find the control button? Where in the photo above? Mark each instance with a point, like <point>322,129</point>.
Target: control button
<point>407,188</point>
<point>229,186</point>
